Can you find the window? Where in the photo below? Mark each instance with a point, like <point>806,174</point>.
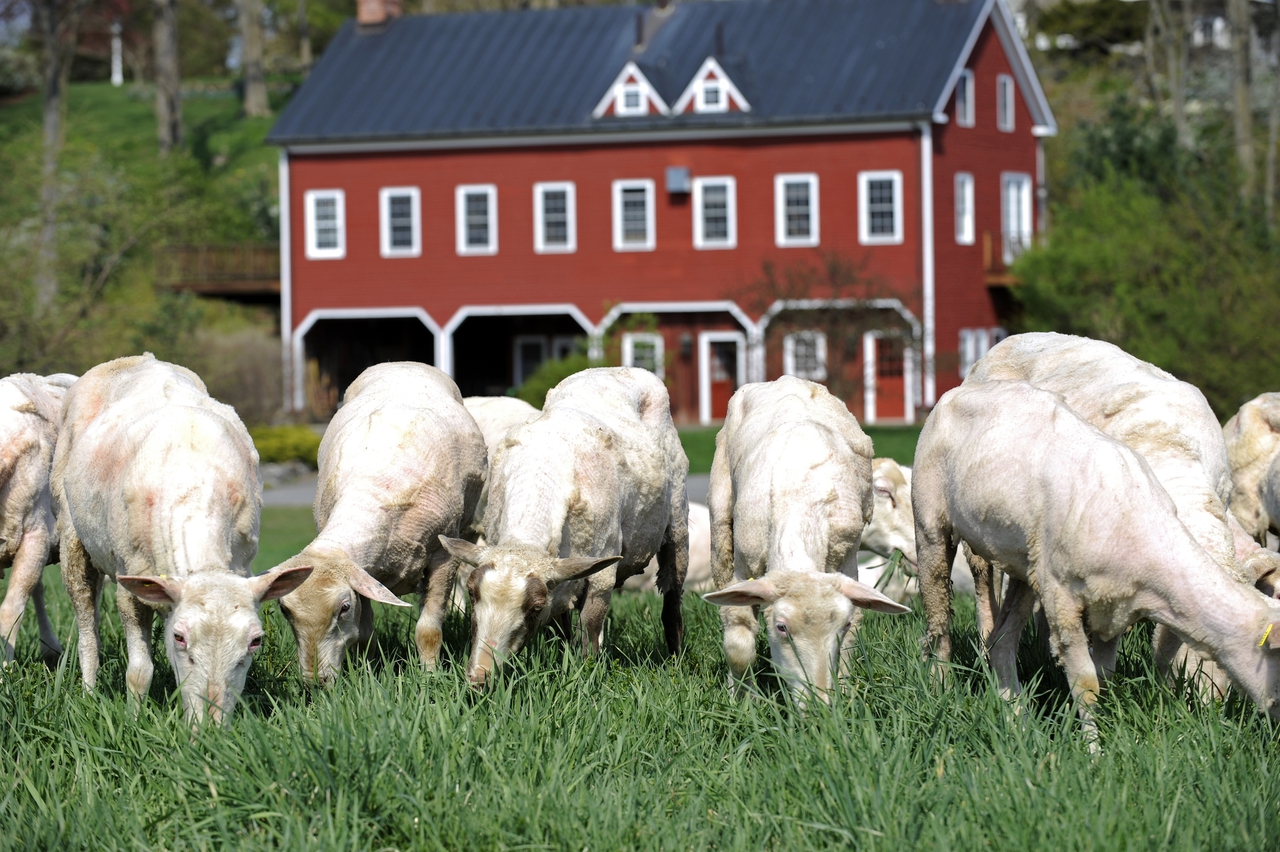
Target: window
<point>326,224</point>
<point>633,215</point>
<point>715,216</point>
<point>795,205</point>
<point>400,213</point>
<point>555,219</point>
<point>644,351</point>
<point>1015,191</point>
<point>711,97</point>
<point>804,355</point>
<point>964,99</point>
<point>1004,103</point>
<point>880,208</point>
<point>529,353</point>
<point>477,219</point>
<point>964,209</point>
<point>975,343</point>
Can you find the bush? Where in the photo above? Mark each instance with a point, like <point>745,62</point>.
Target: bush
<point>277,444</point>
<point>551,373</point>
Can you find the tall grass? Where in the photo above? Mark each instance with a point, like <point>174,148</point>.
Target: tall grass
<point>631,750</point>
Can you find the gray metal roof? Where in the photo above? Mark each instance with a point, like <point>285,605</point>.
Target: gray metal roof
<point>536,72</point>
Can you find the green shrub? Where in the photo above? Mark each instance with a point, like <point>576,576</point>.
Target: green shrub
<point>551,373</point>
<point>286,443</point>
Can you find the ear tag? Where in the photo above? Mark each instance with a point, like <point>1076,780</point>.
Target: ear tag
<point>1265,635</point>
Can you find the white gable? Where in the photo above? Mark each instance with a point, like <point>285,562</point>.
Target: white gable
<point>711,90</point>
<point>630,95</point>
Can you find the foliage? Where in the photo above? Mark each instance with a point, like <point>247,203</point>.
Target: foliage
<point>286,443</point>
<point>19,71</point>
<point>1132,142</point>
<point>205,31</point>
<point>551,373</point>
<point>1096,24</point>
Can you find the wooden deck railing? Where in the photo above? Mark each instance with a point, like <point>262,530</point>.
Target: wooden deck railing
<point>993,266</point>
<point>247,269</point>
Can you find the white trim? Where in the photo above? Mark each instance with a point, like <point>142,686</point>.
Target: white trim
<point>1006,103</point>
<point>286,276</point>
<point>700,240</point>
<point>300,333</point>
<point>965,84</point>
<point>649,96</point>
<point>1025,227</point>
<point>460,218</point>
<point>444,342</point>
<point>705,339</point>
<point>869,377</point>
<point>629,341</point>
<point>519,340</point>
<point>780,237</point>
<point>694,91</point>
<point>755,333</point>
<point>929,302</point>
<point>314,252</point>
<point>384,221</point>
<point>601,135</point>
<point>571,218</point>
<point>965,214</point>
<point>650,236</point>
<point>818,374</point>
<point>865,237</point>
<point>568,341</point>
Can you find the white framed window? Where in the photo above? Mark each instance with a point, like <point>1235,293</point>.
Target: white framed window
<point>965,228</point>
<point>975,343</point>
<point>964,99</point>
<point>633,225</point>
<point>795,210</point>
<point>631,100</point>
<point>1004,103</point>
<point>1015,215</point>
<point>644,350</point>
<point>804,355</point>
<point>711,96</point>
<point>880,208</point>
<point>400,215</point>
<point>326,224</point>
<point>477,218</point>
<point>555,218</point>
<point>715,213</point>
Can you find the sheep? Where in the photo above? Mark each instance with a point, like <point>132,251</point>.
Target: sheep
<point>581,498</point>
<point>1080,518</point>
<point>497,415</point>
<point>790,495</point>
<point>698,578</point>
<point>401,463</point>
<point>30,413</point>
<point>1253,447</point>
<point>156,486</point>
<point>1169,423</point>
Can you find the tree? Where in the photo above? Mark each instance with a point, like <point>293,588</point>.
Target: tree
<point>304,37</point>
<point>255,82</point>
<point>168,78</point>
<point>1242,104</point>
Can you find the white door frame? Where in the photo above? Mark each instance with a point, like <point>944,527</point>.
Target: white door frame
<point>705,339</point>
<point>870,374</point>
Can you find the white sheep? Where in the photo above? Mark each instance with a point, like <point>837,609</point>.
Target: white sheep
<point>30,413</point>
<point>698,578</point>
<point>157,487</point>
<point>1080,518</point>
<point>581,498</point>
<point>790,495</point>
<point>1253,448</point>
<point>401,463</point>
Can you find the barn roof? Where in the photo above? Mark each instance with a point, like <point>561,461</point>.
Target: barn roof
<point>542,72</point>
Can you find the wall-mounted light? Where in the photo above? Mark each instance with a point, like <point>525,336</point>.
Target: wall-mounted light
<point>678,182</point>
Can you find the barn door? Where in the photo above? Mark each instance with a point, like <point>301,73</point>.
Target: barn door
<point>722,359</point>
<point>891,397</point>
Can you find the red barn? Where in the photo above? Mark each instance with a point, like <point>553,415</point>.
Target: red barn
<point>722,192</point>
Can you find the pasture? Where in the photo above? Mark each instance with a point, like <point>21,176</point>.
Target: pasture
<point>628,751</point>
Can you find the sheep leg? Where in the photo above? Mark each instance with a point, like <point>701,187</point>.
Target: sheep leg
<point>136,617</point>
<point>673,565</point>
<point>984,585</point>
<point>720,505</point>
<point>1173,658</point>
<point>1070,644</point>
<point>1006,632</point>
<point>28,566</point>
<point>936,550</point>
<point>438,588</point>
<point>1104,652</point>
<point>50,647</point>
<point>595,607</point>
<point>84,587</point>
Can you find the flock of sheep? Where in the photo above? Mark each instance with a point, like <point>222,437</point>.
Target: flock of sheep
<point>1063,474</point>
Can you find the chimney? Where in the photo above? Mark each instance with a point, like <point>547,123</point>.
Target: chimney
<point>374,13</point>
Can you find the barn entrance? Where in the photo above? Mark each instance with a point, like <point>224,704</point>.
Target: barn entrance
<point>336,351</point>
<point>722,369</point>
<point>888,379</point>
<point>495,354</point>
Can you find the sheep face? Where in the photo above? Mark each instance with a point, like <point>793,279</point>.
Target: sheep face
<point>893,523</point>
<point>213,631</point>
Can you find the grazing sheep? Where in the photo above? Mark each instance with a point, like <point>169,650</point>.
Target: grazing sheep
<point>698,579</point>
<point>157,487</point>
<point>1080,518</point>
<point>30,413</point>
<point>581,498</point>
<point>1169,423</point>
<point>1253,448</point>
<point>401,463</point>
<point>497,415</point>
<point>790,495</point>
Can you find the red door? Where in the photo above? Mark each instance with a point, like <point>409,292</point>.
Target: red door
<point>891,400</point>
<point>724,376</point>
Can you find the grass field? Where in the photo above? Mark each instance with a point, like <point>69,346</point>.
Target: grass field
<point>629,751</point>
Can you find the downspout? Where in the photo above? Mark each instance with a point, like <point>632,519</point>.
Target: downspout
<point>930,392</point>
<point>286,283</point>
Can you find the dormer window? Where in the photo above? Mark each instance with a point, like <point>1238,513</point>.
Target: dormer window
<point>630,95</point>
<point>711,90</point>
<point>711,97</point>
<point>632,100</point>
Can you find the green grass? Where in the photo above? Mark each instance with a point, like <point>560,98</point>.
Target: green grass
<point>700,447</point>
<point>628,751</point>
<point>896,442</point>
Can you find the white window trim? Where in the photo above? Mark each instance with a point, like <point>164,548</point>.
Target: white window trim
<point>965,83</point>
<point>700,99</point>
<point>789,356</point>
<point>966,223</point>
<point>700,240</point>
<point>313,252</point>
<point>629,340</point>
<point>651,236</point>
<point>571,218</point>
<point>692,94</point>
<point>780,210</point>
<point>975,343</point>
<point>415,215</point>
<point>1026,228</point>
<point>460,218</point>
<point>865,237</point>
<point>705,339</point>
<point>650,100</point>
<point>1006,103</point>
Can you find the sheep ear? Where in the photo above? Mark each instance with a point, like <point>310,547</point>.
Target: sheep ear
<point>278,582</point>
<point>160,590</point>
<point>578,568</point>
<point>868,598</point>
<point>365,585</point>
<point>472,554</point>
<point>747,593</point>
